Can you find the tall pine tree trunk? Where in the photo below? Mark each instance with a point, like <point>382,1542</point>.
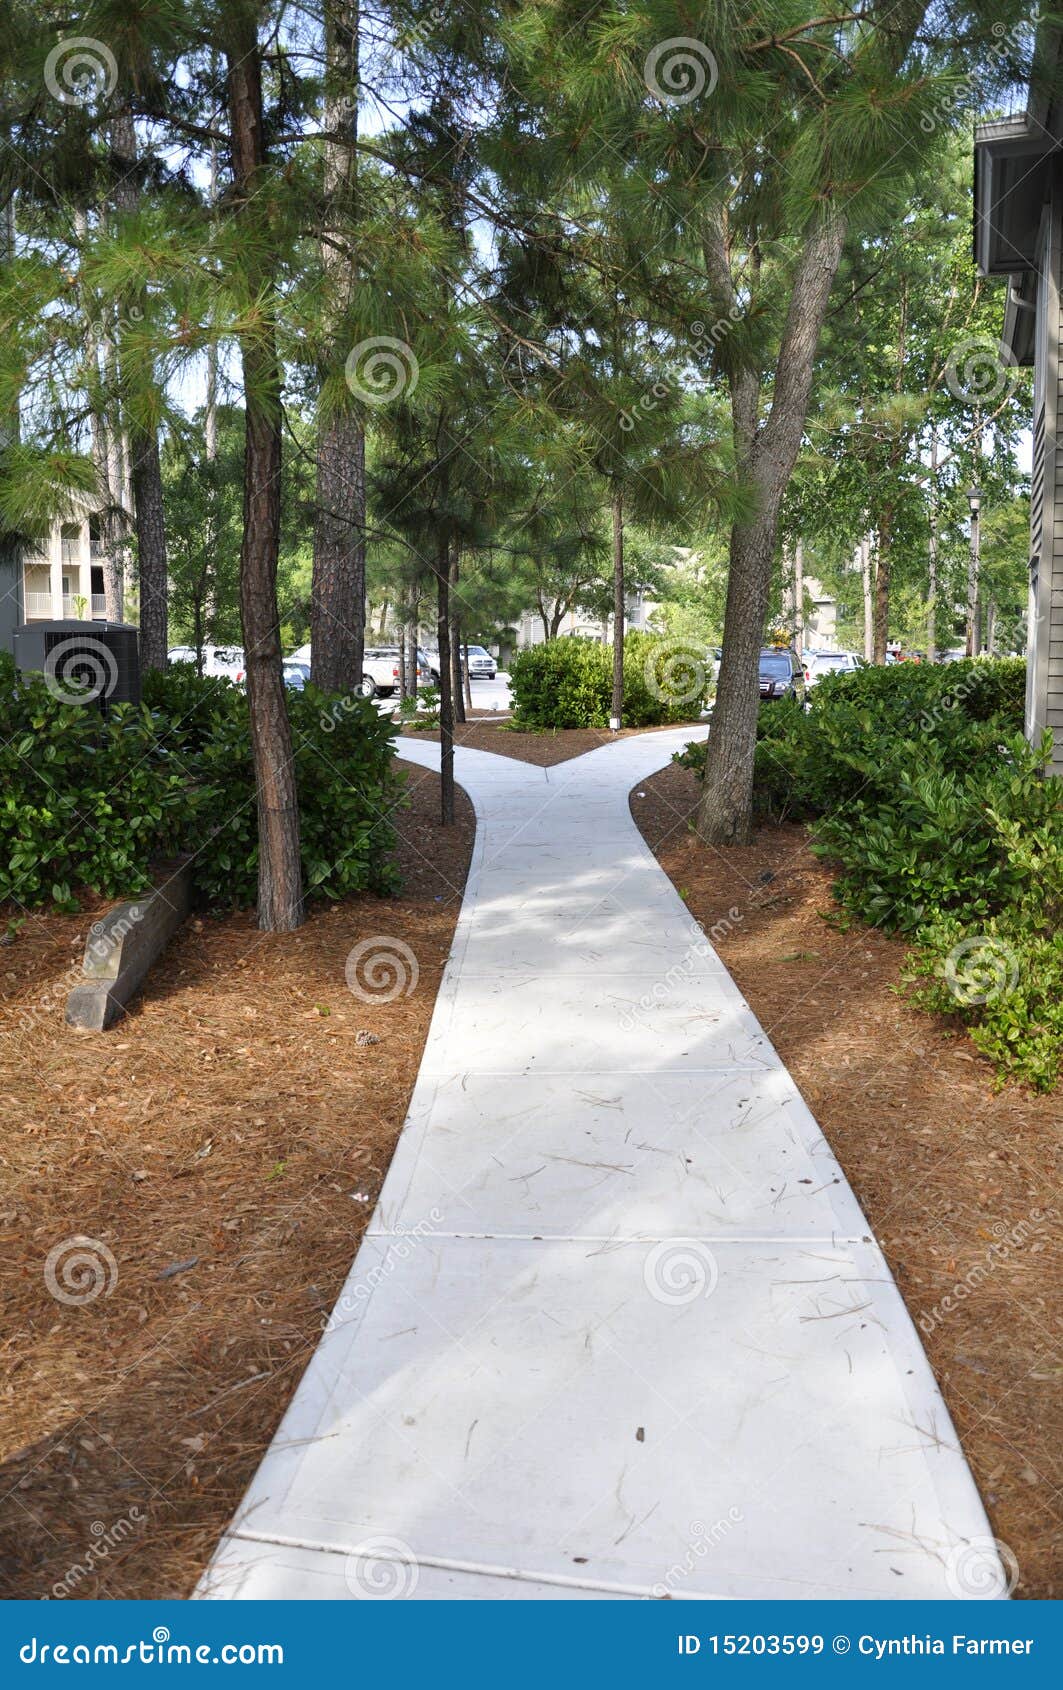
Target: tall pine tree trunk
<point>117,561</point>
<point>616,709</point>
<point>337,606</point>
<point>145,467</point>
<point>867,586</point>
<point>446,694</point>
<point>456,689</point>
<point>932,582</point>
<point>412,648</point>
<point>725,811</point>
<point>883,569</point>
<point>280,895</point>
<point>108,491</point>
<point>766,456</point>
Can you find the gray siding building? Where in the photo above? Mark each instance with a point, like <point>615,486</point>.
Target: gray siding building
<point>1018,236</point>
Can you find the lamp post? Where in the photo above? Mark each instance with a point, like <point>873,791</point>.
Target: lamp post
<point>974,501</point>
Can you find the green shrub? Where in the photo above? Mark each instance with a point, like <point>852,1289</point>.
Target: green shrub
<point>941,826</point>
<point>1005,982</point>
<point>85,802</point>
<point>1004,977</point>
<point>568,683</point>
<point>935,844</point>
<point>563,683</point>
<point>89,803</point>
<point>421,712</point>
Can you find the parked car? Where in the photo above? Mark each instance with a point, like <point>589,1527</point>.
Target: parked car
<point>781,674</point>
<point>820,663</point>
<point>296,675</point>
<point>227,660</point>
<point>380,671</point>
<point>482,666</point>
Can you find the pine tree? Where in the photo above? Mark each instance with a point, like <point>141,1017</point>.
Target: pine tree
<point>746,149</point>
<point>280,891</point>
<point>337,618</point>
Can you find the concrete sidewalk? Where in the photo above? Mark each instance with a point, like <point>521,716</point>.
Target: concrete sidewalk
<point>618,1327</point>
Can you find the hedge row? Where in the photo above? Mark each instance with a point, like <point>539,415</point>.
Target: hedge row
<point>88,804</point>
<point>568,683</point>
<point>942,825</point>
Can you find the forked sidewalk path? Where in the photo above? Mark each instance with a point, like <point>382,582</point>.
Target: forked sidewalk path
<point>618,1327</point>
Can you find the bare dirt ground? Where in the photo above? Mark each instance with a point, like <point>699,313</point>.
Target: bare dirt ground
<point>219,1152</point>
<point>959,1182</point>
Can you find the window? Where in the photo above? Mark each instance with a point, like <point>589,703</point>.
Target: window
<point>775,665</point>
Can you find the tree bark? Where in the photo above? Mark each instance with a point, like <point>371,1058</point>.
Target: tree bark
<point>867,582</point>
<point>446,696</point>
<point>145,468</point>
<point>766,456</point>
<point>117,564</point>
<point>883,569</point>
<point>467,676</point>
<point>973,625</point>
<point>616,710</point>
<point>280,894</point>
<point>412,650</point>
<point>799,598</point>
<point>725,810</point>
<point>109,491</point>
<point>932,584</point>
<point>457,691</point>
<point>337,604</point>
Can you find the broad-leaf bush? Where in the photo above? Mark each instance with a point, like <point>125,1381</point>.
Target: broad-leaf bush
<point>90,803</point>
<point>942,826</point>
<point>568,683</point>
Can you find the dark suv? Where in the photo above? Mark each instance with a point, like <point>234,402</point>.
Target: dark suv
<point>782,674</point>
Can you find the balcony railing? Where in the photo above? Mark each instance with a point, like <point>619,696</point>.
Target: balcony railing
<point>40,604</point>
<point>99,604</point>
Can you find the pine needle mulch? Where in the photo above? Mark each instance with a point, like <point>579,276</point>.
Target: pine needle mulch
<point>224,1144</point>
<point>545,749</point>
<point>960,1183</point>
